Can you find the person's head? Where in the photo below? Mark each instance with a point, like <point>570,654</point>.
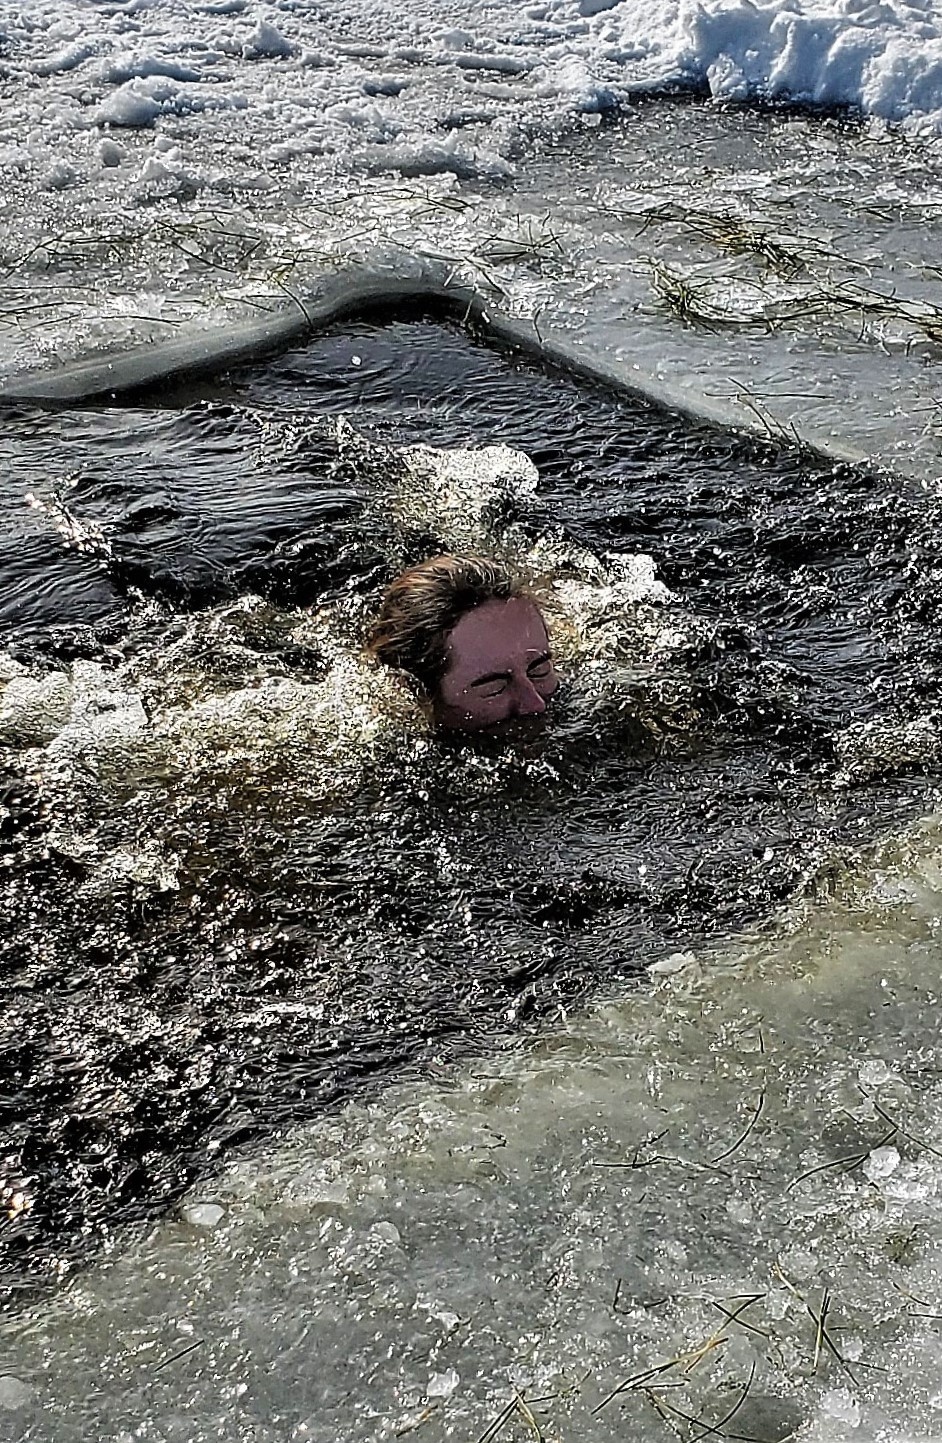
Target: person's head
<point>472,636</point>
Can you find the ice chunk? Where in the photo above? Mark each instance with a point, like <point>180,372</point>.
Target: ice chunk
<point>110,153</point>
<point>841,1405</point>
<point>676,962</point>
<point>739,1209</point>
<point>881,1163</point>
<point>386,1232</point>
<point>32,709</point>
<point>465,498</point>
<point>204,1214</point>
<point>268,43</point>
<point>324,1194</point>
<point>442,1385</point>
<point>874,1073</point>
<point>14,1393</point>
<point>140,102</point>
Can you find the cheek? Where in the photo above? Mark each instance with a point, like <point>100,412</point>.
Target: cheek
<point>472,715</point>
<point>484,710</point>
<point>455,698</point>
<point>468,711</point>
<point>486,706</point>
<point>448,693</point>
<point>457,707</point>
<point>547,684</point>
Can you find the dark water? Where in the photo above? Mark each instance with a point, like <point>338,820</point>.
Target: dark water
<point>318,942</point>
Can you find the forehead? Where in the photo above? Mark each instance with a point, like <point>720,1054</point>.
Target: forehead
<point>495,635</point>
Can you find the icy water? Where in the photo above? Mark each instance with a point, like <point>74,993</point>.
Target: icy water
<point>711,1206</point>
<point>246,888</point>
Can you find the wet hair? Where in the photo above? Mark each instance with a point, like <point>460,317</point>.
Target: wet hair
<point>423,605</point>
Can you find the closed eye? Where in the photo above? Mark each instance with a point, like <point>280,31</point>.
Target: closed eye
<point>492,684</point>
<point>540,668</point>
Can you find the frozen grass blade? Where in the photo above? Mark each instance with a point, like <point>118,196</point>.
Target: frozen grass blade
<point>175,1357</point>
<point>736,1317</point>
<point>848,1163</point>
<point>526,1414</point>
<point>637,1380</point>
<point>822,1338</point>
<point>897,1127</point>
<point>686,1361</point>
<point>715,1430</point>
<point>756,1114</point>
<point>819,1335</point>
<point>493,1428</point>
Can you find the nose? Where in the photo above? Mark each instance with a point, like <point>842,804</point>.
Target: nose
<point>529,701</point>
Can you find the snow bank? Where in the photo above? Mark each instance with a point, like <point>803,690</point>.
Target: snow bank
<point>883,59</point>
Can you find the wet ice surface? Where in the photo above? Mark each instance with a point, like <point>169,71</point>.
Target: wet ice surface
<point>791,252</point>
<point>774,270</point>
<point>242,880</point>
<point>716,1199</point>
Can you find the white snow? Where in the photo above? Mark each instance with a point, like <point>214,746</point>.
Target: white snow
<point>551,61</point>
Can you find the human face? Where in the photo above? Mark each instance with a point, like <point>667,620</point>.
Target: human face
<point>499,667</point>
